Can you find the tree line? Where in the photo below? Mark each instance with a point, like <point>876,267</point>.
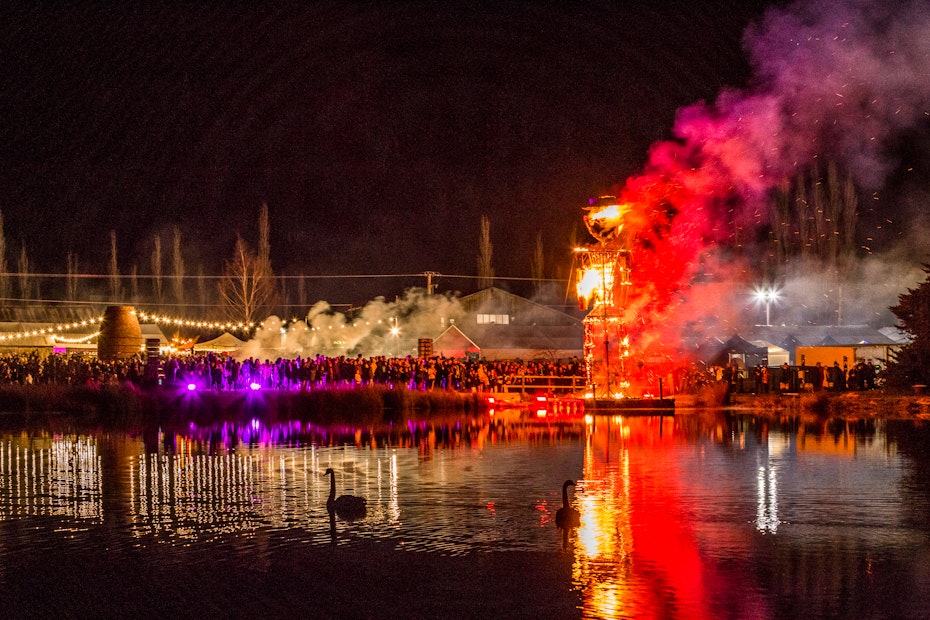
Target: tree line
<point>245,291</point>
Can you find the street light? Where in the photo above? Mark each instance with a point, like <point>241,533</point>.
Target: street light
<point>395,331</point>
<point>766,295</point>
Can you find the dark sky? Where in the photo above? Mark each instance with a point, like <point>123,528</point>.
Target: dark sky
<point>377,133</point>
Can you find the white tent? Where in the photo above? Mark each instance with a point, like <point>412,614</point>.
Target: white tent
<point>777,354</point>
<point>224,343</point>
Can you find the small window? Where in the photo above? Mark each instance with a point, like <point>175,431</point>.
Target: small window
<point>493,319</point>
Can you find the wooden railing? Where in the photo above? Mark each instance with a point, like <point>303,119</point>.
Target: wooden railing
<point>544,383</point>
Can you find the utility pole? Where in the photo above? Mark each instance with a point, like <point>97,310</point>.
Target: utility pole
<point>429,281</point>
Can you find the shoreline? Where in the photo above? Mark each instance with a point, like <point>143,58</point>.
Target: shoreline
<point>127,405</point>
<point>851,405</point>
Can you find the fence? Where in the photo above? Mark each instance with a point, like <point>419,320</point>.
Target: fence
<point>544,383</point>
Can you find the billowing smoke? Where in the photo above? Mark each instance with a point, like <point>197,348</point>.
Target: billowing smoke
<point>834,82</point>
<point>845,80</point>
<point>380,328</point>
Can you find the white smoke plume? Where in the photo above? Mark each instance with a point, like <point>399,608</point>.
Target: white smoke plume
<point>367,332</point>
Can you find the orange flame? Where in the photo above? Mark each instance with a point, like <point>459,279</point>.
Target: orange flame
<point>594,282</point>
<point>606,221</point>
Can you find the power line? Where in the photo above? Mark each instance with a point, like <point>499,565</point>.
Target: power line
<point>75,302</point>
<point>172,277</point>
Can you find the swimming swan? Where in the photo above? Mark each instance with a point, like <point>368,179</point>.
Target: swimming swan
<point>347,507</point>
<point>567,517</point>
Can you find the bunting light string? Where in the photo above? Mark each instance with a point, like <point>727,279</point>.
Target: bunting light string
<point>52,330</point>
<point>56,330</point>
<point>81,340</point>
<point>179,322</point>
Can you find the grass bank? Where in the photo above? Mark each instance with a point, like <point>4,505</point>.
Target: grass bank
<point>879,403</point>
<point>126,404</point>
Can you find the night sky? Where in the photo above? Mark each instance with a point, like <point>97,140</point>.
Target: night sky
<point>377,133</point>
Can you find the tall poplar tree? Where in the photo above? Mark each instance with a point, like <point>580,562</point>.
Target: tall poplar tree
<point>134,284</point>
<point>539,267</point>
<point>25,275</point>
<point>485,251</point>
<point>178,261</point>
<point>115,288</point>
<point>157,271</point>
<point>71,280</point>
<point>201,290</point>
<point>4,266</point>
<point>264,256</point>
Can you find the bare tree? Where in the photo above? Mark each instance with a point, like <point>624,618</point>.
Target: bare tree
<point>115,292</point>
<point>156,271</point>
<point>178,260</point>
<point>71,279</point>
<point>4,267</point>
<point>485,250</point>
<point>247,288</point>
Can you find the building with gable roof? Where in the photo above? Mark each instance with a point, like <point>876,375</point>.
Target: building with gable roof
<point>498,325</point>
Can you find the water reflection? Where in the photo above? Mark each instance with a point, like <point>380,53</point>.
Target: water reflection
<point>449,487</point>
<point>51,475</point>
<point>738,516</point>
<point>698,515</point>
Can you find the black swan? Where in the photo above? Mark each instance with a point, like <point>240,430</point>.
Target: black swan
<point>567,517</point>
<point>348,507</point>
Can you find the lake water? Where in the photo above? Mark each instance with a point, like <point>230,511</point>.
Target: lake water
<point>712,515</point>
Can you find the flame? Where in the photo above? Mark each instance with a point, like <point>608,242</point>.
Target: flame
<point>605,221</point>
<point>594,282</point>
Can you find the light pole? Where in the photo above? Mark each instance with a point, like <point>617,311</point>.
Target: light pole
<point>395,331</point>
<point>766,295</point>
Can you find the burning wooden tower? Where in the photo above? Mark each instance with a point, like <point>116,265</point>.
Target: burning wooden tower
<point>603,279</point>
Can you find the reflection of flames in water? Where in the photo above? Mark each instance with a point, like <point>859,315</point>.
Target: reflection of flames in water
<point>636,555</point>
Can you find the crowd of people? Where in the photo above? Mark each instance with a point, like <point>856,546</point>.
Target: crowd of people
<point>222,372</point>
<point>863,375</point>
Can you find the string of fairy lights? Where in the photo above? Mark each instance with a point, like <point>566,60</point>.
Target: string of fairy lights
<point>145,317</point>
<point>57,333</point>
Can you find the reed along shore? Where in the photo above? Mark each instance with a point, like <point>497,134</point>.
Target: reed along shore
<point>126,404</point>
